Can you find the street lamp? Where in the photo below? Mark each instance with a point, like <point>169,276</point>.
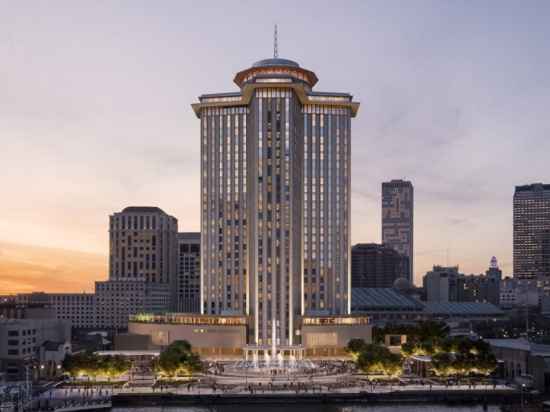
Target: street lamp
<point>522,390</point>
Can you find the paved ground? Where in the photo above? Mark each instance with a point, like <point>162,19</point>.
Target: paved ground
<point>217,384</point>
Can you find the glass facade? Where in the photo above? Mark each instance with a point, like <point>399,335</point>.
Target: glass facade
<point>224,205</point>
<point>398,220</point>
<point>532,233</point>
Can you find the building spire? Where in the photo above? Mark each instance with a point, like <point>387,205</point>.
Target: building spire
<point>275,43</point>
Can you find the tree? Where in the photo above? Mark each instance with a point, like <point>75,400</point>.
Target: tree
<point>442,364</point>
<point>115,366</point>
<point>92,365</point>
<point>355,346</point>
<point>177,360</point>
<point>464,357</point>
<point>408,349</point>
<point>83,363</point>
<point>431,330</point>
<point>377,359</point>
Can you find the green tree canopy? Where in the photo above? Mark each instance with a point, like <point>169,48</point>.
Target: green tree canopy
<point>463,357</point>
<point>178,360</point>
<point>377,359</point>
<point>355,346</point>
<point>92,365</point>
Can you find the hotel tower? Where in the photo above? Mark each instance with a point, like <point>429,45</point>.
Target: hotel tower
<point>275,208</point>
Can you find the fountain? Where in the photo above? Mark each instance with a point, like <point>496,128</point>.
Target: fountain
<point>273,341</point>
<point>292,362</point>
<point>255,360</point>
<point>274,359</point>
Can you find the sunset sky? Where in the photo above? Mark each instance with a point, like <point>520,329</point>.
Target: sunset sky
<point>95,115</point>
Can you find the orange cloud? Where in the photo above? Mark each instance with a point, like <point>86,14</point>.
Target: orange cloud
<point>25,268</point>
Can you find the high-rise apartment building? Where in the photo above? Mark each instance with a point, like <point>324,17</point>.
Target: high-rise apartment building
<point>275,204</point>
<point>397,219</point>
<point>188,277</point>
<point>532,231</point>
<point>376,266</point>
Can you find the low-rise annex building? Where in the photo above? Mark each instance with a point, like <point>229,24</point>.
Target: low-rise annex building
<point>219,337</point>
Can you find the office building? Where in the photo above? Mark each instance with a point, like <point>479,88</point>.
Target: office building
<point>493,278</point>
<point>532,232</point>
<point>142,245</point>
<point>33,346</point>
<point>398,219</point>
<point>79,309</point>
<point>519,293</point>
<point>188,276</point>
<point>76,309</point>
<point>142,266</point>
<point>275,185</point>
<point>116,300</point>
<point>484,287</point>
<point>377,266</point>
<point>444,284</point>
<point>25,305</point>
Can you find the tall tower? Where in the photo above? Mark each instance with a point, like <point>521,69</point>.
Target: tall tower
<point>188,272</point>
<point>142,266</point>
<point>275,205</point>
<point>532,232</point>
<point>398,219</point>
<point>376,266</point>
<point>142,243</point>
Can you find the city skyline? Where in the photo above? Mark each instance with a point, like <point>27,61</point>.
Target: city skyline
<point>443,114</point>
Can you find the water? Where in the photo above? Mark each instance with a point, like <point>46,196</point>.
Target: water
<point>314,408</point>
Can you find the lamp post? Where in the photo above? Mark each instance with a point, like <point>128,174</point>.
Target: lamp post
<point>522,390</point>
<point>27,397</point>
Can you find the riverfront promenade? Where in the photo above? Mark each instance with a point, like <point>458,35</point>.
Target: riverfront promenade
<point>235,385</point>
<point>336,389</point>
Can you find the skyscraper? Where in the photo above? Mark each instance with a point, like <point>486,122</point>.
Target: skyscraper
<point>142,245</point>
<point>142,265</point>
<point>376,266</point>
<point>397,219</point>
<point>275,204</point>
<point>532,231</point>
<point>188,276</point>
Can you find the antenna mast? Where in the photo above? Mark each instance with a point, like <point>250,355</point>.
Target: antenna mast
<point>275,45</point>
